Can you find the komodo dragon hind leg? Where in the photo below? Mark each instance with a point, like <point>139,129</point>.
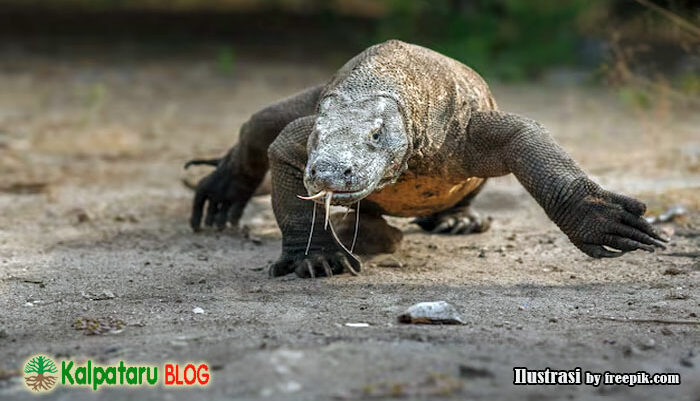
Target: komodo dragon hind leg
<point>375,235</point>
<point>225,191</point>
<point>459,219</point>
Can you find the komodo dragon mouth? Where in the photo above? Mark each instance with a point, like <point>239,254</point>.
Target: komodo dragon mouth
<point>340,198</point>
<point>348,198</point>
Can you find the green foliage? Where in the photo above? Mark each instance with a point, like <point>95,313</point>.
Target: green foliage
<point>225,60</point>
<point>508,39</point>
<point>689,84</point>
<point>634,97</point>
<point>40,365</point>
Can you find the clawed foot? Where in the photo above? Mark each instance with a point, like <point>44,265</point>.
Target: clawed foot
<point>454,222</point>
<point>604,224</point>
<point>223,194</point>
<point>316,265</point>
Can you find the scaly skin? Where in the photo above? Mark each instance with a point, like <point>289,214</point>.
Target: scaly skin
<point>411,132</point>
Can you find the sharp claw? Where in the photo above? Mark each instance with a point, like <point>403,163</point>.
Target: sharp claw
<point>441,227</point>
<point>327,268</point>
<point>660,244</point>
<point>648,248</point>
<point>279,268</point>
<point>347,266</point>
<point>652,232</point>
<point>460,227</point>
<point>605,253</point>
<point>638,233</point>
<point>310,268</point>
<point>660,236</point>
<point>598,251</point>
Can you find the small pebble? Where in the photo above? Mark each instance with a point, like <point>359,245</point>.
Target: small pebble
<point>197,310</point>
<point>439,312</point>
<point>178,344</point>
<point>357,324</point>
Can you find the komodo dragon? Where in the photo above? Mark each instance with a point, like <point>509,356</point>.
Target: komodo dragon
<point>411,133</point>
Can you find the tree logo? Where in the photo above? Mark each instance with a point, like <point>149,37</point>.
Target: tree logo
<point>38,373</point>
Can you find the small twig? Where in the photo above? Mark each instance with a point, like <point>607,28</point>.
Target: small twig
<point>671,16</point>
<point>660,321</point>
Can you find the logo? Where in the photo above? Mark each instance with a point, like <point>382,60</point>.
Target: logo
<point>39,373</point>
<point>42,374</point>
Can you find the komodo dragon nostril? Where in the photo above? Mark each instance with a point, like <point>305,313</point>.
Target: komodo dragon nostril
<point>347,172</point>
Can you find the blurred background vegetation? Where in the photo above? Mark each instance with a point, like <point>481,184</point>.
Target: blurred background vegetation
<point>639,44</point>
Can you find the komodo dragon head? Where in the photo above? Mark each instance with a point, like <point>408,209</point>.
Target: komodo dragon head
<point>392,103</point>
<point>356,147</point>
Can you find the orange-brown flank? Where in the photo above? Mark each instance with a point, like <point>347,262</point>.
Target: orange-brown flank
<point>415,196</point>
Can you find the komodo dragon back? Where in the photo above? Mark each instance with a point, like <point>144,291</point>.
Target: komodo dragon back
<point>435,92</point>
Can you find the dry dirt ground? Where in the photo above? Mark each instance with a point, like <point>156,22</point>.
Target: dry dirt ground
<point>93,225</point>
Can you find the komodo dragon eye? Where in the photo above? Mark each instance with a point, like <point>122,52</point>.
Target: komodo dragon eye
<point>376,133</point>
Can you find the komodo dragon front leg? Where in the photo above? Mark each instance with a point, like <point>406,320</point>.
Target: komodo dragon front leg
<point>319,255</point>
<point>595,220</point>
<point>228,188</point>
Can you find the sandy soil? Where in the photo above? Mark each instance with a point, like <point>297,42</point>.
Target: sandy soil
<point>91,150</point>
